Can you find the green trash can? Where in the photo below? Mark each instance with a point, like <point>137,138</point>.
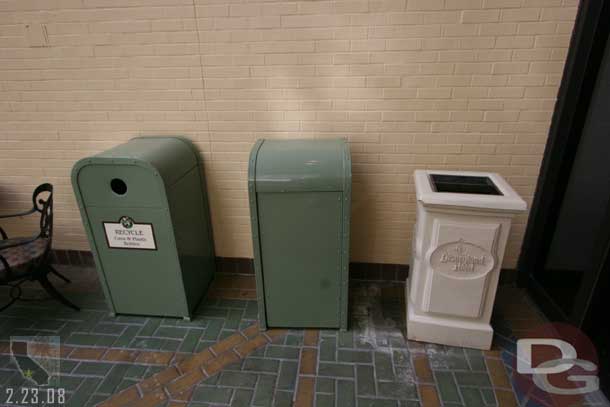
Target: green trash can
<point>300,197</point>
<point>145,210</point>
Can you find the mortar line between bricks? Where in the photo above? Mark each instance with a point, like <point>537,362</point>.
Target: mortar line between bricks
<point>458,387</point>
<point>277,378</point>
<point>256,383</point>
<point>204,103</point>
<point>298,375</point>
<point>212,351</point>
<point>266,336</point>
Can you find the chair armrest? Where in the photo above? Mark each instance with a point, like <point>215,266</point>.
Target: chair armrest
<point>7,268</point>
<point>15,215</point>
<point>20,242</point>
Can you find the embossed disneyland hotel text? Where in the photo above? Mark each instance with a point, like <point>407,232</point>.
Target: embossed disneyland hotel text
<point>461,258</point>
<point>463,262</point>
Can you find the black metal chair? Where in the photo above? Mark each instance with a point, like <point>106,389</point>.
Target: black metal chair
<point>28,258</point>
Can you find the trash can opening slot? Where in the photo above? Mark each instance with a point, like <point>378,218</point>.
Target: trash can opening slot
<point>464,184</point>
<point>118,186</point>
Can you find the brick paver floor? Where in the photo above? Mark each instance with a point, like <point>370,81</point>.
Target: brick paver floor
<point>221,359</point>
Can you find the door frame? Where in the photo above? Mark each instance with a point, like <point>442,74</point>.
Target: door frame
<point>587,46</point>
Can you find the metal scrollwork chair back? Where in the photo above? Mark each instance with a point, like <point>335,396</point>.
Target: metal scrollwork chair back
<point>28,258</point>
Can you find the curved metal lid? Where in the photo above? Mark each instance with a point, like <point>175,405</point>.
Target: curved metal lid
<point>300,165</point>
<point>171,157</point>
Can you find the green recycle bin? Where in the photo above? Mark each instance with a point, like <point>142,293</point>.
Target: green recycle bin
<point>145,210</point>
<point>300,197</point>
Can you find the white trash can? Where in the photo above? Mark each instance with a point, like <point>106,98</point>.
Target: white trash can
<point>463,221</point>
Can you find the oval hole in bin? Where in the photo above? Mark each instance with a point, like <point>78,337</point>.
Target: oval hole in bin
<point>118,186</point>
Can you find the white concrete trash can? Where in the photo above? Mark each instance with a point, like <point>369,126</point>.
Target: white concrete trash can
<point>463,221</point>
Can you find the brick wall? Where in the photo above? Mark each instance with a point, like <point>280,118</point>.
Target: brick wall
<point>451,84</point>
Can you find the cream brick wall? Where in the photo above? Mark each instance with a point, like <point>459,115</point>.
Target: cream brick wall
<point>449,84</point>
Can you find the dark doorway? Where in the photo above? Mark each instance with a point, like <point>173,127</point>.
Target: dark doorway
<point>564,261</point>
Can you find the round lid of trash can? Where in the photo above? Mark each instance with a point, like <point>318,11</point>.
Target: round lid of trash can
<point>300,165</point>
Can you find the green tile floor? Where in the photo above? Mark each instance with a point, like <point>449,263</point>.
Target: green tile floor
<point>370,365</point>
